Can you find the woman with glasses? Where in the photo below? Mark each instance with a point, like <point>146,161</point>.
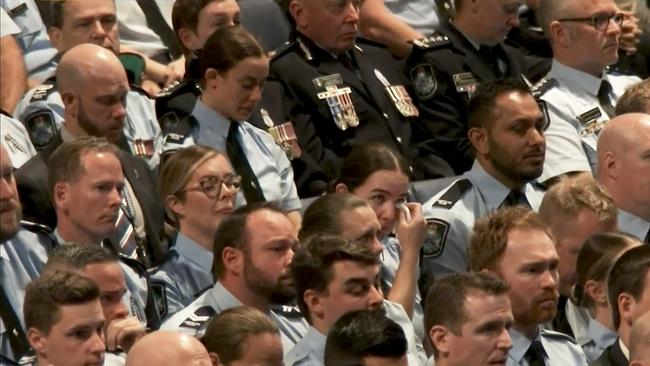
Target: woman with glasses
<point>233,67</point>
<point>198,187</point>
<point>381,177</point>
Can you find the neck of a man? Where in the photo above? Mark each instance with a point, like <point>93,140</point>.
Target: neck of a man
<point>512,184</point>
<point>624,331</point>
<point>320,325</point>
<point>588,68</point>
<point>70,233</point>
<point>73,128</point>
<point>236,286</point>
<point>529,330</point>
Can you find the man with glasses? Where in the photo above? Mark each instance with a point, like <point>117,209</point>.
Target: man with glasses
<point>580,93</point>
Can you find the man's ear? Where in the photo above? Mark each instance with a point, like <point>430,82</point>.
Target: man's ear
<point>341,188</point>
<point>61,195</point>
<point>37,340</point>
<point>214,357</point>
<point>478,138</point>
<point>233,260</point>
<point>439,335</point>
<point>559,34</point>
<point>314,303</point>
<point>297,10</point>
<point>626,305</point>
<point>70,103</point>
<point>188,39</point>
<point>56,38</point>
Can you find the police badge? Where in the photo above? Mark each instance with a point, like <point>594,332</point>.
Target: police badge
<point>434,243</point>
<point>339,100</point>
<point>424,81</point>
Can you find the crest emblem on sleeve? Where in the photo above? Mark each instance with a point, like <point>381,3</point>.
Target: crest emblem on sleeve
<point>424,81</point>
<point>436,238</point>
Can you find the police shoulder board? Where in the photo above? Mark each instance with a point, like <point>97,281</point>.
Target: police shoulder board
<point>435,40</point>
<point>541,87</point>
<point>557,335</point>
<point>288,311</point>
<point>453,193</point>
<point>42,91</point>
<point>36,228</point>
<point>283,50</point>
<point>198,318</point>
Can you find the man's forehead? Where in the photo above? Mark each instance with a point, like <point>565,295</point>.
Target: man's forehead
<point>349,269</point>
<point>79,9</point>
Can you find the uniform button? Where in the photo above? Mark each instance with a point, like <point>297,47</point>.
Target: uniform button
<point>399,139</point>
<point>386,115</point>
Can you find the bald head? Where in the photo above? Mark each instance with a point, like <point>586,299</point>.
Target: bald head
<point>163,348</point>
<point>622,132</point>
<point>85,65</point>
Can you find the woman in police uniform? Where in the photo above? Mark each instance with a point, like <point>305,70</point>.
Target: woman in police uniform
<point>198,187</point>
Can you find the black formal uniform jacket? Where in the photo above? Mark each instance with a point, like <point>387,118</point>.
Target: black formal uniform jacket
<point>300,62</point>
<point>613,356</point>
<point>176,104</point>
<point>32,181</point>
<point>444,110</point>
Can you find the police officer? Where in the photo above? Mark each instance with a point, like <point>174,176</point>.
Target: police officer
<point>41,109</point>
<point>198,187</point>
<point>580,92</point>
<point>446,68</point>
<point>515,245</point>
<point>92,79</point>
<point>506,133</point>
<point>252,255</point>
<point>23,253</point>
<point>348,90</point>
<point>193,25</point>
<point>16,140</point>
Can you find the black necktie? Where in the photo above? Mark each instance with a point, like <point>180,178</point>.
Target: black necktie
<point>250,184</point>
<point>17,338</point>
<point>514,198</point>
<point>535,354</point>
<point>346,60</point>
<point>158,24</point>
<point>490,57</point>
<point>604,100</point>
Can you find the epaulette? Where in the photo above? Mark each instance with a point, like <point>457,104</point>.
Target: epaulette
<point>36,228</point>
<point>42,91</point>
<point>542,86</point>
<point>557,335</point>
<point>185,86</point>
<point>453,194</point>
<point>435,40</point>
<point>198,318</point>
<point>282,50</point>
<point>287,311</point>
<point>366,41</point>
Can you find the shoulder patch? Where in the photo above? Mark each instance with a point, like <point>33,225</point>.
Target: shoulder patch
<point>287,311</point>
<point>197,319</point>
<point>41,127</point>
<point>557,335</point>
<point>436,238</point>
<point>454,193</point>
<point>36,228</point>
<point>435,40</point>
<point>542,86</point>
<point>282,50</point>
<point>42,92</point>
<point>160,297</point>
<point>424,82</point>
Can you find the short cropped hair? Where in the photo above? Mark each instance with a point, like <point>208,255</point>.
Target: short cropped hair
<point>628,276</point>
<point>445,302</point>
<point>323,216</point>
<point>549,11</point>
<point>65,165</point>
<point>363,333</point>
<point>52,12</point>
<point>313,261</point>
<point>490,235</point>
<point>45,296</point>
<point>228,331</point>
<point>77,257</point>
<point>565,200</point>
<point>232,232</point>
<point>482,105</point>
<point>636,99</point>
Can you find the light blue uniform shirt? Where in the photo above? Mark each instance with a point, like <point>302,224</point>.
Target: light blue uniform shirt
<point>390,259</point>
<point>186,272</point>
<point>22,259</point>
<point>268,161</point>
<point>421,15</point>
<point>559,349</point>
<point>192,320</point>
<point>569,146</point>
<point>454,221</point>
<point>632,224</point>
<point>16,141</point>
<point>39,54</point>
<point>140,123</point>
<point>310,351</point>
<point>597,339</point>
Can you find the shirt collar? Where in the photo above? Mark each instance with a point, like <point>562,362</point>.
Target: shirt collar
<point>492,191</point>
<point>193,252</point>
<point>316,341</point>
<point>3,252</point>
<point>624,349</point>
<point>575,79</point>
<point>520,345</point>
<point>61,241</point>
<point>602,336</point>
<point>220,295</point>
<point>210,119</point>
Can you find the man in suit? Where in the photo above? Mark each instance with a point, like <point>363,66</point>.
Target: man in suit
<point>348,90</point>
<point>97,74</point>
<point>446,68</point>
<point>629,294</point>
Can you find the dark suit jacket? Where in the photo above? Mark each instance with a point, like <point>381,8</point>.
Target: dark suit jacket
<point>444,113</point>
<point>613,356</point>
<point>300,62</point>
<point>32,180</point>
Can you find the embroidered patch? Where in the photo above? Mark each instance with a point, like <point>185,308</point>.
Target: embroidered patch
<point>41,128</point>
<point>436,238</point>
<point>424,81</point>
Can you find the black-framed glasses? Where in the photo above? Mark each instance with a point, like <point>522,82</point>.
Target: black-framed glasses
<point>600,22</point>
<point>211,185</point>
